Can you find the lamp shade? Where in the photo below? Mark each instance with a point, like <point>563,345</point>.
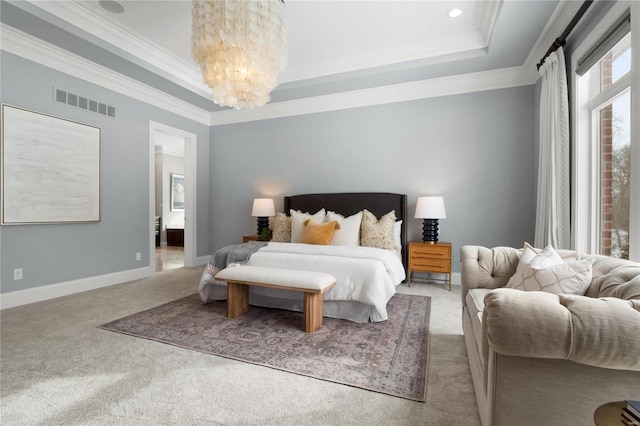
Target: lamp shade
<point>263,207</point>
<point>430,208</point>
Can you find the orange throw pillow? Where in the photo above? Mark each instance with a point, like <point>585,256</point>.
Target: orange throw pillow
<point>318,233</point>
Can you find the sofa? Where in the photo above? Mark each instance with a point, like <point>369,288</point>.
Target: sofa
<point>539,358</point>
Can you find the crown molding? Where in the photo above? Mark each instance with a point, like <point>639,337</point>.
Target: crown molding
<point>41,52</point>
<point>560,18</point>
<point>485,17</point>
<point>175,69</point>
<point>444,86</point>
<point>140,50</point>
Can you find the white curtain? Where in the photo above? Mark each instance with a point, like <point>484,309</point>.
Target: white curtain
<point>553,204</point>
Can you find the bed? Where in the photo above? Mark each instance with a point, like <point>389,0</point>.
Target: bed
<point>366,277</point>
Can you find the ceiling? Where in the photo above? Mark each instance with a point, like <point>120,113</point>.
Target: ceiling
<point>327,37</point>
<point>335,46</point>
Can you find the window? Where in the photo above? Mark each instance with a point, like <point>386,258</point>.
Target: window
<point>602,145</point>
<point>610,102</point>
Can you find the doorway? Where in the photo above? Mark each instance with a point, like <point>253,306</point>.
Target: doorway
<point>171,197</point>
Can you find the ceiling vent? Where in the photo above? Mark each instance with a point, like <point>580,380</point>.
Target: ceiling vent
<point>82,102</point>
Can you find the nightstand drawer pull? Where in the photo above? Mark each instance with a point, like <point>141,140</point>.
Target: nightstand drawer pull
<point>426,264</point>
<point>429,252</point>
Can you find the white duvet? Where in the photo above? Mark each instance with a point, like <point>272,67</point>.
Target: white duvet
<point>363,274</point>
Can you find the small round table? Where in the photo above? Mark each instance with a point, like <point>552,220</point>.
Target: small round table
<point>609,414</point>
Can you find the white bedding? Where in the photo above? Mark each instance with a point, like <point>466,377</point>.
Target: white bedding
<point>366,278</point>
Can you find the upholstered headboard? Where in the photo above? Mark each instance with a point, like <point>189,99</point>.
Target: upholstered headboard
<point>348,203</point>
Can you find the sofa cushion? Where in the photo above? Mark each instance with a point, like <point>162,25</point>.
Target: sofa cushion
<point>614,278</point>
<point>599,332</point>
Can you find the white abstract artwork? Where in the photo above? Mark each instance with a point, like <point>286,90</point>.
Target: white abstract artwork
<point>50,169</point>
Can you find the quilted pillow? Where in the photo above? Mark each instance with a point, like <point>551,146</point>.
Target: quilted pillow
<point>282,228</point>
<point>297,223</point>
<point>319,233</point>
<point>378,233</point>
<point>349,232</point>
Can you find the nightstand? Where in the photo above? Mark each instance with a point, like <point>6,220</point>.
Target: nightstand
<point>247,238</point>
<point>430,258</point>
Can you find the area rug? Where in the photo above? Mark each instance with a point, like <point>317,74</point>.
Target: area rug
<point>389,357</point>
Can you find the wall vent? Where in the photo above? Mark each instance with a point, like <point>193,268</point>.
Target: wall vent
<point>81,102</point>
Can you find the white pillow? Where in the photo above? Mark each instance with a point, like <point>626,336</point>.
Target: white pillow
<point>545,270</point>
<point>564,278</point>
<point>297,223</point>
<point>349,232</point>
<point>540,259</point>
<point>397,232</point>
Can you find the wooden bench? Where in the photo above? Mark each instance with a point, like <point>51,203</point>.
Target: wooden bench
<point>312,284</point>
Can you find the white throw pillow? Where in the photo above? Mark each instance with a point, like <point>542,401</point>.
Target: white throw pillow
<point>349,232</point>
<point>397,233</point>
<point>297,223</point>
<point>540,258</point>
<point>564,278</point>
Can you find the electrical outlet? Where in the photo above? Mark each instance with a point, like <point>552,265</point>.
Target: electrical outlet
<point>138,256</point>
<point>17,274</point>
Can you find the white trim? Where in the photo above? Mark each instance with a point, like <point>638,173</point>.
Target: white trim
<point>443,86</point>
<point>485,17</point>
<point>585,223</point>
<point>190,176</point>
<point>38,294</point>
<point>610,93</point>
<point>41,52</point>
<point>634,211</point>
<point>21,44</point>
<point>560,18</point>
<point>134,44</point>
<point>188,75</point>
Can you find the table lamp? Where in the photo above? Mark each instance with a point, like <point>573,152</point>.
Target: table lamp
<point>430,209</point>
<point>262,209</point>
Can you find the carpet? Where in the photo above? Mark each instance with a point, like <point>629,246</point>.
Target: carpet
<point>389,357</point>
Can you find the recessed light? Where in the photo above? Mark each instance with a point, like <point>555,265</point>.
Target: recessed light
<point>454,13</point>
<point>111,6</point>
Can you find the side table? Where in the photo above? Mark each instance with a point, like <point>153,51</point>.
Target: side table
<point>430,258</point>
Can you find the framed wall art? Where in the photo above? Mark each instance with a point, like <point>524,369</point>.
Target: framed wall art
<point>50,169</point>
<point>177,192</point>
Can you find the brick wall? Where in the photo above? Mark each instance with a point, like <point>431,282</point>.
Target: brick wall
<point>606,159</point>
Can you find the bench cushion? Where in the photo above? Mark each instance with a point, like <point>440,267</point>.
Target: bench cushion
<point>285,278</point>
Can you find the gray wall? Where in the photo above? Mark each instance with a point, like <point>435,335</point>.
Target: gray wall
<point>477,150</point>
<point>51,254</point>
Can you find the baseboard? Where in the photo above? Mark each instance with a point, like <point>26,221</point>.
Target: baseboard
<point>52,291</point>
<point>202,260</point>
<point>456,279</point>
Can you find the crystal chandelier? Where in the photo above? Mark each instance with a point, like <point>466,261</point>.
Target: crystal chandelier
<point>241,47</point>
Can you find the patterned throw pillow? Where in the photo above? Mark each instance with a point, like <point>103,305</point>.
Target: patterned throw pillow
<point>565,278</point>
<point>545,270</point>
<point>378,233</point>
<point>541,258</point>
<point>282,228</point>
